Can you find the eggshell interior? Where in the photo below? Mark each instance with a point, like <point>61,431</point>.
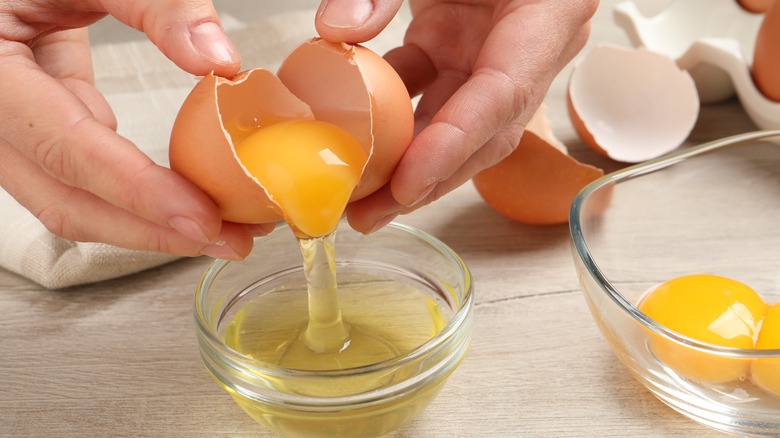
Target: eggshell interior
<point>631,104</point>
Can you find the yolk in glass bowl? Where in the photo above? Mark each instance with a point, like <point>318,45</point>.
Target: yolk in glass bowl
<point>308,167</point>
<point>707,308</point>
<point>766,372</point>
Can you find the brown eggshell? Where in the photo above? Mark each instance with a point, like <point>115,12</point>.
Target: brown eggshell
<point>364,96</point>
<point>201,148</point>
<point>536,183</point>
<point>766,55</point>
<point>757,6</point>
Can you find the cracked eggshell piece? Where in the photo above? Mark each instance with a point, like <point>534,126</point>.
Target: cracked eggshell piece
<point>538,181</point>
<point>631,105</point>
<point>349,86</point>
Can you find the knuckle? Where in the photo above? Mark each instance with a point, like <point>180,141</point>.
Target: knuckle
<point>57,220</point>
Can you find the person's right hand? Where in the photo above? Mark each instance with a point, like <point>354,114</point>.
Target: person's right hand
<point>60,155</point>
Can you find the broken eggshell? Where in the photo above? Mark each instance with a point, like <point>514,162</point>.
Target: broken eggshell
<point>537,182</point>
<point>350,86</point>
<point>630,104</point>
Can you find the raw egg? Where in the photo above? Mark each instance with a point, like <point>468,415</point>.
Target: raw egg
<point>766,372</point>
<point>706,308</point>
<point>630,104</point>
<point>355,94</point>
<point>308,167</point>
<point>537,182</point>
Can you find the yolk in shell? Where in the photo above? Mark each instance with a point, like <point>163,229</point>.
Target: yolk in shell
<point>707,308</point>
<point>308,167</point>
<point>766,372</point>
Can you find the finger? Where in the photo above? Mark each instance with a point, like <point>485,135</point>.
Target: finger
<point>497,148</point>
<point>468,119</point>
<point>78,215</point>
<point>371,213</point>
<point>501,90</point>
<point>380,208</point>
<point>74,148</point>
<point>189,32</point>
<point>67,56</point>
<point>413,66</point>
<point>354,21</point>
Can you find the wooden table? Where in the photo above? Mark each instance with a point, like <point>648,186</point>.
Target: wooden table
<point>119,358</point>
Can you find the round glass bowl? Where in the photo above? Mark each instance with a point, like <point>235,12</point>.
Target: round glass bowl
<point>398,285</point>
<point>711,209</point>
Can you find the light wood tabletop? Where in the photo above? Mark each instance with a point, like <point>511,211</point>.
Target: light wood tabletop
<point>119,358</point>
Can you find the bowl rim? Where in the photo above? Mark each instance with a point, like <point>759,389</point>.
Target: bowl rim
<point>449,333</point>
<point>582,251</point>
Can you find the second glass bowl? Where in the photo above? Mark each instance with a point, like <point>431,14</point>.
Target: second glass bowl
<point>712,209</point>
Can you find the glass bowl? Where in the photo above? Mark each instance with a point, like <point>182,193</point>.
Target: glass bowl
<point>414,290</point>
<point>710,209</point>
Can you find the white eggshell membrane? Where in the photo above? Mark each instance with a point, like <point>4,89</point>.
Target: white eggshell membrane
<point>635,103</point>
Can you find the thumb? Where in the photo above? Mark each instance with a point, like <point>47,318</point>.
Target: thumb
<point>354,21</point>
<point>189,33</point>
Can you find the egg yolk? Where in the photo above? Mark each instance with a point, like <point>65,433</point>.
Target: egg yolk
<point>308,167</point>
<point>710,309</point>
<point>766,372</point>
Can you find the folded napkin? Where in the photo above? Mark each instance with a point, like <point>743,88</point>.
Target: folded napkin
<point>145,90</point>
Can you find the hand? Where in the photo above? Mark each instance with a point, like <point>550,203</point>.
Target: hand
<point>60,155</point>
<point>483,67</point>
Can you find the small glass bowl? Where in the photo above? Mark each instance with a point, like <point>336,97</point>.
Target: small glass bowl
<point>369,400</point>
<point>711,209</point>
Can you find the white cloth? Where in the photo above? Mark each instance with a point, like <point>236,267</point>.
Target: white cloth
<point>145,90</point>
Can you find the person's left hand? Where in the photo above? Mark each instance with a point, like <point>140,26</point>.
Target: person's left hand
<point>483,68</point>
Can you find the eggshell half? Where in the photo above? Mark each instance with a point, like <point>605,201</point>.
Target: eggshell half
<point>631,104</point>
<point>363,95</point>
<point>537,182</point>
<point>201,141</point>
<point>347,85</point>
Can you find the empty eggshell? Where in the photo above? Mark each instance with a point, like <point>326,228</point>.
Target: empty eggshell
<point>346,85</point>
<point>631,104</point>
<point>537,182</point>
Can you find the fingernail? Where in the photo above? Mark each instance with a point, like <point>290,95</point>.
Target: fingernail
<point>346,14</point>
<point>188,228</point>
<point>220,250</point>
<point>211,42</point>
<point>258,230</point>
<point>382,222</point>
<point>423,194</point>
